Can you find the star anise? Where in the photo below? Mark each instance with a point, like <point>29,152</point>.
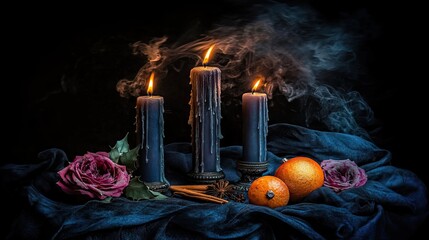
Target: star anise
<point>223,189</point>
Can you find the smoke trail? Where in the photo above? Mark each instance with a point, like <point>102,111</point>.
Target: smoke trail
<point>299,55</point>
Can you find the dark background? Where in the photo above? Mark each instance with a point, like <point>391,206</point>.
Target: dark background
<point>63,62</point>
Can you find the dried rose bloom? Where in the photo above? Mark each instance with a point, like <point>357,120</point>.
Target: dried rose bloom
<point>342,174</point>
<point>94,175</point>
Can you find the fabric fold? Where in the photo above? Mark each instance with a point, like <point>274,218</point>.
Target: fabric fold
<point>391,205</point>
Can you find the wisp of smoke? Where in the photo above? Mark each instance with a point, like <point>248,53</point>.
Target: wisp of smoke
<point>297,54</point>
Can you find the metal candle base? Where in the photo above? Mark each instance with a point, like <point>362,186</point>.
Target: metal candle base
<point>205,177</point>
<point>157,186</point>
<point>249,172</point>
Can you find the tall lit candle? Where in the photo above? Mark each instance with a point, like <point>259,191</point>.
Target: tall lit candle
<point>205,117</point>
<point>150,137</point>
<point>255,125</point>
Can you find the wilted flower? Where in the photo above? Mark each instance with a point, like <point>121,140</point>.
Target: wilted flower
<point>342,174</point>
<point>94,175</point>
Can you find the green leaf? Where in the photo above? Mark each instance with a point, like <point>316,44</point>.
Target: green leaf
<point>107,200</point>
<point>137,190</point>
<point>129,159</point>
<point>158,196</point>
<point>119,149</point>
<point>122,145</point>
<point>114,155</point>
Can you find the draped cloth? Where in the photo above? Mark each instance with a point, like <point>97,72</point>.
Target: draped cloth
<point>391,205</point>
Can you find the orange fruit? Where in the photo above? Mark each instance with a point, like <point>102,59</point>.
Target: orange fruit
<point>268,191</point>
<point>302,175</point>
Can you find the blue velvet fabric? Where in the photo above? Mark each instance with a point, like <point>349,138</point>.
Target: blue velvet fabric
<point>391,205</point>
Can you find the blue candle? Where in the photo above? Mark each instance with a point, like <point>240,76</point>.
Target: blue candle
<point>255,126</point>
<point>205,117</point>
<point>150,136</point>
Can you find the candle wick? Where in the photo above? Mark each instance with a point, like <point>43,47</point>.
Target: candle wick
<point>253,91</point>
<point>204,65</point>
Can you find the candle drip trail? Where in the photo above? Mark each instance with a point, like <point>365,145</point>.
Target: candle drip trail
<point>146,124</point>
<point>150,137</point>
<point>262,133</point>
<point>205,118</point>
<point>255,127</point>
<point>161,141</point>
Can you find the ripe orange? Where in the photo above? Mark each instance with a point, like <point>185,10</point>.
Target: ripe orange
<point>302,175</point>
<point>268,191</point>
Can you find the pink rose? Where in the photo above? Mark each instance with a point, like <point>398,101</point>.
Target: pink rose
<point>94,175</point>
<point>342,174</point>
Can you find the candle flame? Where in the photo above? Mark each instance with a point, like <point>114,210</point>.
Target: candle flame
<point>206,58</point>
<point>255,87</point>
<point>150,86</point>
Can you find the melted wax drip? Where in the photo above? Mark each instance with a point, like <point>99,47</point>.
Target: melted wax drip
<point>143,138</point>
<point>262,122</point>
<point>205,96</point>
<point>161,141</point>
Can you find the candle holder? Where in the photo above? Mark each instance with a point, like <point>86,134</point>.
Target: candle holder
<point>161,187</point>
<point>205,177</point>
<point>249,172</point>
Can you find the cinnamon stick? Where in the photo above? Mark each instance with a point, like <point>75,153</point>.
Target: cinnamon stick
<point>191,187</point>
<point>195,194</point>
<point>214,200</point>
